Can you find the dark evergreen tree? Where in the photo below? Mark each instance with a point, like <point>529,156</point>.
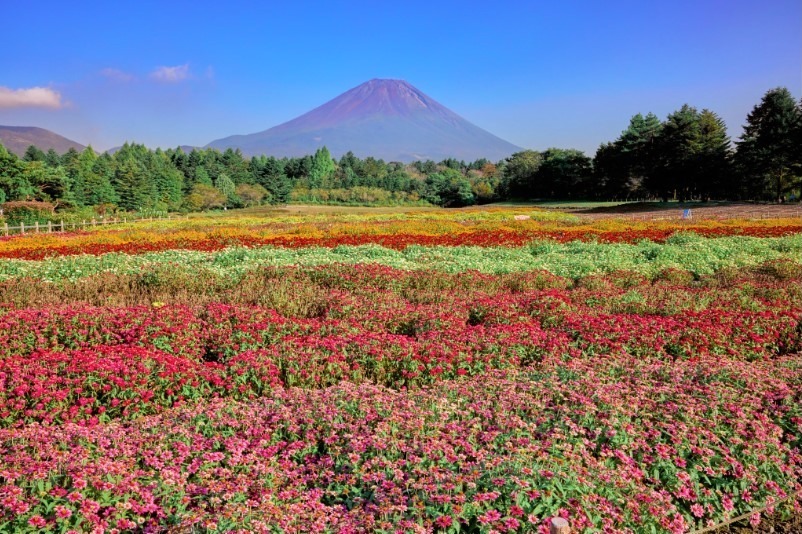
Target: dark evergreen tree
<point>14,182</point>
<point>132,181</point>
<point>564,173</point>
<point>98,184</point>
<point>34,153</point>
<point>52,158</point>
<point>714,163</point>
<point>769,150</point>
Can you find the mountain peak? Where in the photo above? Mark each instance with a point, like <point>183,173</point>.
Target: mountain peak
<point>18,138</point>
<point>384,118</point>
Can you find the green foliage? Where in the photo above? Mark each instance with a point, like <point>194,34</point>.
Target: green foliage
<point>563,173</point>
<point>13,177</point>
<point>769,151</point>
<point>205,197</point>
<point>27,212</point>
<point>322,168</point>
<point>520,174</point>
<point>225,185</point>
<point>356,196</point>
<point>251,194</point>
<point>448,188</point>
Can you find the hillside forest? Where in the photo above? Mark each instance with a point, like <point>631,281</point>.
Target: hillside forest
<point>686,156</point>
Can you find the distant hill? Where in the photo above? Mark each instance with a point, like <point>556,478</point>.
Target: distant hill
<point>17,139</point>
<point>185,148</point>
<point>388,119</point>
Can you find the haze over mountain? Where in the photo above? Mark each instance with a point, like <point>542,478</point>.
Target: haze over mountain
<point>387,119</point>
<point>17,139</point>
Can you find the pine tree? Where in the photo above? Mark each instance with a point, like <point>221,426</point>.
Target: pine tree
<point>135,190</point>
<point>676,149</point>
<point>13,180</point>
<point>769,149</point>
<point>98,188</point>
<point>715,176</point>
<point>34,153</point>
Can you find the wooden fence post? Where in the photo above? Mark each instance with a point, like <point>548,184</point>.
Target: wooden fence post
<point>62,225</point>
<point>36,226</point>
<point>21,227</point>
<point>49,227</point>
<point>559,526</point>
<point>94,222</point>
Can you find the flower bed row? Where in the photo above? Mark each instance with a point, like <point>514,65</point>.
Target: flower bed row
<point>575,259</point>
<point>377,325</point>
<point>634,445</point>
<point>96,244</point>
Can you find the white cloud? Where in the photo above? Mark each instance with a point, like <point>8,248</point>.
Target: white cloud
<point>33,97</point>
<point>117,75</point>
<point>171,74</point>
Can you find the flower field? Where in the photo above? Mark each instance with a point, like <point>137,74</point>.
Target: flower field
<point>445,373</point>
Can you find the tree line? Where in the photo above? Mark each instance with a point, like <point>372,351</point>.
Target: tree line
<point>687,156</point>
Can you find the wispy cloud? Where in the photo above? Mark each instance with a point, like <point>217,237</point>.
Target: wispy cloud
<point>32,97</point>
<point>117,75</point>
<point>171,74</point>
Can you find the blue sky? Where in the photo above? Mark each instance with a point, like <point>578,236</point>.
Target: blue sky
<point>566,74</point>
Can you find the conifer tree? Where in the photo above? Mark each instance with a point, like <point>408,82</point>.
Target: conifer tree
<point>769,150</point>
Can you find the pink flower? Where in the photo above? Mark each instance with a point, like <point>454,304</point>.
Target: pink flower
<point>516,511</point>
<point>490,517</point>
<point>37,521</point>
<point>63,512</point>
<point>444,521</point>
<point>697,510</point>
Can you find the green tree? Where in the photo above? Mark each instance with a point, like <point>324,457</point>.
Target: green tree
<point>269,173</point>
<point>52,158</point>
<point>132,184</point>
<point>34,153</point>
<point>448,188</point>
<point>13,177</point>
<point>611,173</point>
<point>251,194</point>
<point>50,184</point>
<point>634,156</point>
<point>323,168</point>
<point>677,147</point>
<point>714,162</point>
<point>225,185</point>
<point>205,197</point>
<point>769,149</point>
<point>98,184</point>
<point>520,174</point>
<point>168,181</point>
<point>564,173</point>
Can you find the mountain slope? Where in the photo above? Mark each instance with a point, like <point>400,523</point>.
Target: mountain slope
<point>388,119</point>
<point>18,138</point>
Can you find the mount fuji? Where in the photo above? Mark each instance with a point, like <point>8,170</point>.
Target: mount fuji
<point>387,119</point>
